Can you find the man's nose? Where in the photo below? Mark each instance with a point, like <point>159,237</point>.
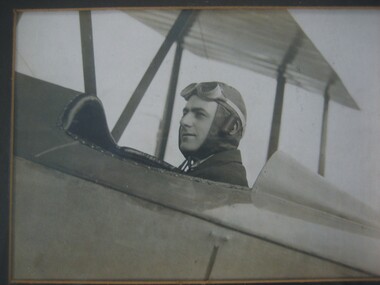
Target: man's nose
<point>186,120</point>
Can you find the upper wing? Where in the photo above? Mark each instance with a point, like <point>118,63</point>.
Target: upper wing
<point>263,41</point>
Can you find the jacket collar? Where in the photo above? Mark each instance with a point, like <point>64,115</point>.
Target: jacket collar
<point>232,155</point>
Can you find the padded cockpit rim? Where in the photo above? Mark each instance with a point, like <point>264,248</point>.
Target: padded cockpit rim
<point>67,118</point>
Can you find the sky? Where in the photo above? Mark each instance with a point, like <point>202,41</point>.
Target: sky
<point>48,48</point>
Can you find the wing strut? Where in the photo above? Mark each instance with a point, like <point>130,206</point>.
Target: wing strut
<point>87,52</point>
<point>181,25</point>
<point>322,147</point>
<point>277,114</point>
<point>279,99</point>
<point>163,132</point>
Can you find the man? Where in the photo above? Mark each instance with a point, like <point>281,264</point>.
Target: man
<point>211,127</point>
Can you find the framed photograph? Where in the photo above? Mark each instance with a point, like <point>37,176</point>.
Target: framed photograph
<point>191,144</point>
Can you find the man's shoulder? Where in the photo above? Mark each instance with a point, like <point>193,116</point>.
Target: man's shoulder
<point>227,156</point>
<point>223,167</point>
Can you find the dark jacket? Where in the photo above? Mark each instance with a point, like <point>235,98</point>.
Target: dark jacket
<point>224,166</point>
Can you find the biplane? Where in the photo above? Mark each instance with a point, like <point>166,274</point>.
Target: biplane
<point>87,208</point>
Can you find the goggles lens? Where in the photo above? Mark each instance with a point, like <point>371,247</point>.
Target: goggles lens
<point>207,87</point>
<point>205,90</point>
<point>189,91</point>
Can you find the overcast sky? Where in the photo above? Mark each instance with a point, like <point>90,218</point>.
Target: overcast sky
<point>48,48</point>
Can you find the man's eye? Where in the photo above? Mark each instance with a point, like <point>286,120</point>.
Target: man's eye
<point>200,115</point>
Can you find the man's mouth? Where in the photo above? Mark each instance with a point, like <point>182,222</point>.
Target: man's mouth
<point>184,135</point>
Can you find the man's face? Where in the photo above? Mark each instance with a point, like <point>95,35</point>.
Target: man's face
<point>196,121</point>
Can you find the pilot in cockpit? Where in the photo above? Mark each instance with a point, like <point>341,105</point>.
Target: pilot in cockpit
<point>211,128</point>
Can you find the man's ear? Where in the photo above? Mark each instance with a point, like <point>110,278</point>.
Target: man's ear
<point>235,129</point>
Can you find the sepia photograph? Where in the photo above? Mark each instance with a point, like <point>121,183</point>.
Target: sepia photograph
<point>204,144</point>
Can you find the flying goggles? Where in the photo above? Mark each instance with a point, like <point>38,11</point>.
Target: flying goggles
<point>212,91</point>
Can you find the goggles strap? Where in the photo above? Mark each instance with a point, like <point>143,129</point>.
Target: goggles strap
<point>237,111</point>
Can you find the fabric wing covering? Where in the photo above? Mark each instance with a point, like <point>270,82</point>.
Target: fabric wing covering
<point>263,41</point>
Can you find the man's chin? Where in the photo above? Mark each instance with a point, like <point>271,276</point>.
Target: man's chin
<point>185,147</point>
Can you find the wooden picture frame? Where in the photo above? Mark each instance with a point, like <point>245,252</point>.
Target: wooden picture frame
<point>118,197</point>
